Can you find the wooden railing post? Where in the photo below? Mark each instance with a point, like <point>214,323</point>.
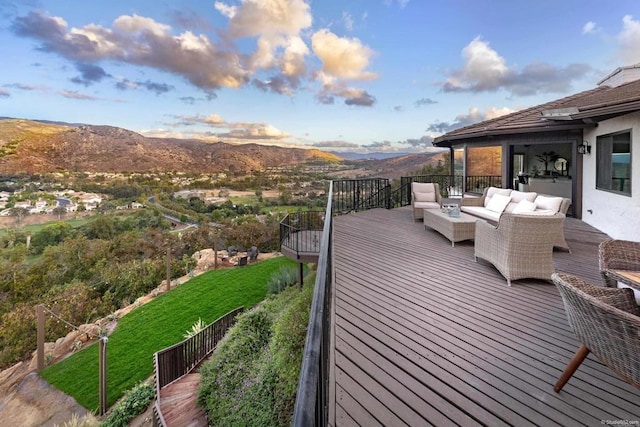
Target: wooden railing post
<point>102,362</point>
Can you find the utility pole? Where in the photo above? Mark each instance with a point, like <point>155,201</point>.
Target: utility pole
<point>40,336</point>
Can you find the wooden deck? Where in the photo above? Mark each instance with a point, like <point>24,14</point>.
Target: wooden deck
<point>423,335</point>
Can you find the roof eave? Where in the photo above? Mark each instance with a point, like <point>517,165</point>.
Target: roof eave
<point>442,142</point>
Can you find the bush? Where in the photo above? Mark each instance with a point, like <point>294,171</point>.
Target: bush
<point>254,373</point>
<point>285,277</point>
<point>132,404</point>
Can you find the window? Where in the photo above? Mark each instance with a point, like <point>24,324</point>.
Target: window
<point>613,158</point>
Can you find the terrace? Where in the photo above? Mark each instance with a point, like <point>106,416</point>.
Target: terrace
<point>407,330</point>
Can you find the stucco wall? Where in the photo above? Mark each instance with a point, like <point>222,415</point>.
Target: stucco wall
<point>615,214</point>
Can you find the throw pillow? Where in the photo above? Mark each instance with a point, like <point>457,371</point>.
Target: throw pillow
<point>492,191</point>
<point>551,203</point>
<point>524,206</point>
<point>425,197</point>
<point>498,202</point>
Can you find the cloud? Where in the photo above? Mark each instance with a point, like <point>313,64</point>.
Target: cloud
<point>89,74</point>
<point>234,130</point>
<point>277,63</point>
<point>76,95</point>
<point>473,116</point>
<point>342,57</point>
<point>423,142</point>
<point>398,108</point>
<point>424,101</point>
<point>23,86</point>
<point>139,41</point>
<point>4,93</point>
<point>347,21</point>
<point>629,39</point>
<point>334,144</point>
<point>157,88</point>
<point>351,95</point>
<point>590,28</point>
<point>484,70</point>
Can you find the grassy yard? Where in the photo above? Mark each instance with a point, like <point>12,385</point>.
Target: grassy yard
<point>159,324</point>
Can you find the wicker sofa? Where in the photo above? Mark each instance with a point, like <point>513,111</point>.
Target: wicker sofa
<point>491,208</point>
<point>520,246</point>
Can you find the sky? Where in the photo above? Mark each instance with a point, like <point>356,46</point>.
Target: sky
<point>351,75</point>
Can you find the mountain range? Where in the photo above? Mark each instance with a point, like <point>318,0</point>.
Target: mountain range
<point>29,146</point>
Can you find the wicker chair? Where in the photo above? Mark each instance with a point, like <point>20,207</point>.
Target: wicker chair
<point>519,246</point>
<point>607,323</point>
<point>425,196</point>
<point>618,255</point>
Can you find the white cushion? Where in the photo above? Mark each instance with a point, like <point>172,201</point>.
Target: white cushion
<point>518,196</point>
<point>425,197</point>
<point>551,203</point>
<point>481,212</point>
<point>426,205</point>
<point>524,206</point>
<point>492,191</point>
<point>498,202</point>
<point>423,191</point>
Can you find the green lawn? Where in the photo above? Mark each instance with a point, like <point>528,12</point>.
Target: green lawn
<point>159,324</point>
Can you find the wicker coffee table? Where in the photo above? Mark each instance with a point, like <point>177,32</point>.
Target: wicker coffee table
<point>454,229</point>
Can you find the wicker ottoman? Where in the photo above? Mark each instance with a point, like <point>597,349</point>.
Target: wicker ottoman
<point>454,229</point>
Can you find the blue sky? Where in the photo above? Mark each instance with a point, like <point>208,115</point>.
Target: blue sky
<point>354,75</point>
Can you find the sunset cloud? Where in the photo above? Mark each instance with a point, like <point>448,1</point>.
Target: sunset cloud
<point>484,70</point>
<point>279,63</point>
<point>234,130</point>
<point>77,95</point>
<point>4,93</point>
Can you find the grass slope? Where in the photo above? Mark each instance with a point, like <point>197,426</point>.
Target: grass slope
<point>159,324</point>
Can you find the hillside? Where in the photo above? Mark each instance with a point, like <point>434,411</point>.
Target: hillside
<point>393,167</point>
<point>34,147</point>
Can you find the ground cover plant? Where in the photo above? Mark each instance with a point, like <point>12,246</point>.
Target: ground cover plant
<point>159,324</point>
<point>253,375</point>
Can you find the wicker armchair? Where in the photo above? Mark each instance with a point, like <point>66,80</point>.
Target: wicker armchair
<point>607,323</point>
<point>618,255</point>
<point>424,196</point>
<point>520,245</point>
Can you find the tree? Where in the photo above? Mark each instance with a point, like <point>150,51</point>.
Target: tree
<point>19,213</point>
<point>60,211</point>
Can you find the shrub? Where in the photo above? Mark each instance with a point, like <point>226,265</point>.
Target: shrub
<point>254,373</point>
<point>286,276</point>
<point>131,405</point>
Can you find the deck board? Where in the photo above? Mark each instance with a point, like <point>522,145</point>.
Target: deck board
<point>424,335</point>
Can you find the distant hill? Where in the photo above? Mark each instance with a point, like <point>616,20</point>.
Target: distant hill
<point>392,168</point>
<point>41,147</point>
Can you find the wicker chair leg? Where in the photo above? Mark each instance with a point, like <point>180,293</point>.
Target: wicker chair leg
<point>576,361</point>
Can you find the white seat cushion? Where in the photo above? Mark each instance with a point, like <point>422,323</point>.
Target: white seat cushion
<point>426,205</point>
<point>481,212</point>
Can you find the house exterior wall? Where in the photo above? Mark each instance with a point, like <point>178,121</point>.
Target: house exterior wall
<point>615,214</point>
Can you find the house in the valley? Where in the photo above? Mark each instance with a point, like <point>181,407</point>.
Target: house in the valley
<point>584,146</point>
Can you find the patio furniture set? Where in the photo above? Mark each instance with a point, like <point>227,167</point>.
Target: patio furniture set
<point>605,319</point>
<point>519,243</point>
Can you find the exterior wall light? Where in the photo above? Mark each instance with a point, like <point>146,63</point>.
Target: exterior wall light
<point>584,148</point>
